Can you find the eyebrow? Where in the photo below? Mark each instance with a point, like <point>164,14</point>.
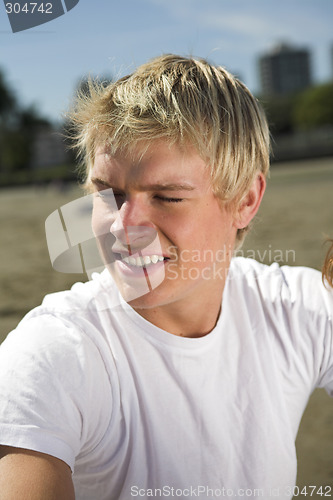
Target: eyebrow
<point>150,187</point>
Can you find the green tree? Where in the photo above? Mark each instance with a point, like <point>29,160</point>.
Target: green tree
<point>28,123</point>
<point>18,127</point>
<point>279,111</point>
<point>314,108</point>
<point>8,103</point>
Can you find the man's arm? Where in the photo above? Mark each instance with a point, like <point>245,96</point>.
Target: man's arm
<point>30,475</point>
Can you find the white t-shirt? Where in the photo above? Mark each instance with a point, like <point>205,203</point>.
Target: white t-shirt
<point>138,412</point>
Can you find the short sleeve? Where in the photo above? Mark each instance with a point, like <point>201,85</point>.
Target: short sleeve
<point>325,379</point>
<point>53,387</point>
<point>311,306</point>
<point>292,304</point>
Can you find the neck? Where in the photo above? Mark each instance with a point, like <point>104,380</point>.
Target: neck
<point>188,317</point>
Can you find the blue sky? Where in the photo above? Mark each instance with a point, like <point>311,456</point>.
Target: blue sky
<point>109,37</point>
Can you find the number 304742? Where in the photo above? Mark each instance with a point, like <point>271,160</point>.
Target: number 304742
<point>28,8</point>
<point>311,491</point>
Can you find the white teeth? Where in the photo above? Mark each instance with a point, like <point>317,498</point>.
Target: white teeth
<point>143,261</point>
<point>139,262</point>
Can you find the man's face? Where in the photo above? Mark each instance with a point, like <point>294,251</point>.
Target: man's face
<point>165,237</point>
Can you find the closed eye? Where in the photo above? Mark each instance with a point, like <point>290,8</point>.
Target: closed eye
<point>169,200</point>
<point>109,194</point>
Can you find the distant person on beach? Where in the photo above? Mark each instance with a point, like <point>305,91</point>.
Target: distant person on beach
<point>180,370</point>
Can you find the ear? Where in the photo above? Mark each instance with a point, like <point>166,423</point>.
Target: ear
<point>250,203</point>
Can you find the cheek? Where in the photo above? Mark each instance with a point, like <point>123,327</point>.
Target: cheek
<point>97,222</point>
<point>101,220</point>
<point>104,238</point>
<point>187,229</point>
<point>212,230</point>
<point>179,233</point>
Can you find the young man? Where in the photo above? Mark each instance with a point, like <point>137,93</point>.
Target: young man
<point>179,370</point>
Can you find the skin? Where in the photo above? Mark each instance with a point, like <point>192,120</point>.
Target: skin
<point>166,192</point>
<point>41,477</point>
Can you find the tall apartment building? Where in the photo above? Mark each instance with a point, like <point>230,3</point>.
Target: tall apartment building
<point>284,69</point>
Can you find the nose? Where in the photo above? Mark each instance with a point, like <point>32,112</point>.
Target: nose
<point>132,226</point>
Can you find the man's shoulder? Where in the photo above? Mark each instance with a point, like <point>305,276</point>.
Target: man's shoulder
<point>67,328</point>
<point>83,298</point>
<point>72,315</point>
<point>278,282</point>
<point>246,268</point>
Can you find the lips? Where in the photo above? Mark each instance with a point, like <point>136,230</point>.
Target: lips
<point>137,275</point>
<point>138,264</point>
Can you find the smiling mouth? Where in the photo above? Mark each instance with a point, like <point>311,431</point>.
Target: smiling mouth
<point>142,261</point>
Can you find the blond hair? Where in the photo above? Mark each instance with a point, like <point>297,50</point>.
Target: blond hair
<point>185,101</point>
<point>327,270</point>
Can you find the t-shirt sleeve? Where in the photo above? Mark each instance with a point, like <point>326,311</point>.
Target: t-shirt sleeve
<point>311,307</point>
<point>292,304</point>
<point>49,372</point>
<point>325,378</point>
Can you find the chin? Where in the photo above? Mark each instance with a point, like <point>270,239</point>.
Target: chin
<point>150,300</point>
<point>138,287</point>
